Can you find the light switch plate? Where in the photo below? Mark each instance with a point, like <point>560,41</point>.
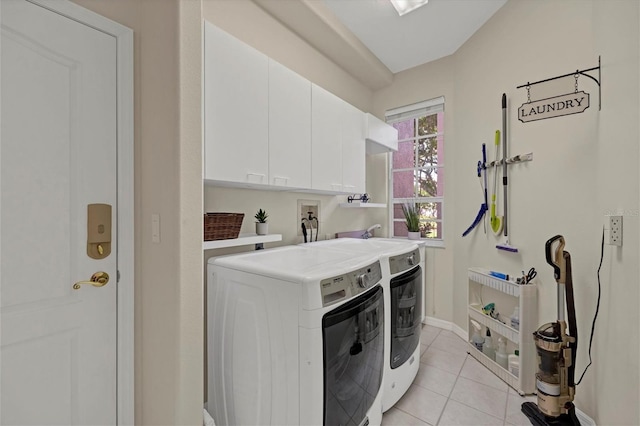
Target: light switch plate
<point>155,228</point>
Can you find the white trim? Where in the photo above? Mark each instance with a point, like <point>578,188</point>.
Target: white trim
<point>126,229</point>
<point>447,325</point>
<point>430,107</point>
<point>242,240</point>
<point>434,242</point>
<point>437,322</point>
<point>461,332</point>
<point>424,105</point>
<point>584,419</point>
<point>125,119</point>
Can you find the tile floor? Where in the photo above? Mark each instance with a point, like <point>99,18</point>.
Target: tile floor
<point>453,388</point>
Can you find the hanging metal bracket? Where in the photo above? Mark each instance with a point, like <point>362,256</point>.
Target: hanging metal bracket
<point>577,72</point>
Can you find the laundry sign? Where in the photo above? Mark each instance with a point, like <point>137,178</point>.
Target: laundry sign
<point>572,103</point>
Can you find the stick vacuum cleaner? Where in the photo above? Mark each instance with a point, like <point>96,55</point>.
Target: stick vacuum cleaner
<point>556,350</point>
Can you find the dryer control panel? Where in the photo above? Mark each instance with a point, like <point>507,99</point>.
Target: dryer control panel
<point>346,286</point>
<point>404,262</point>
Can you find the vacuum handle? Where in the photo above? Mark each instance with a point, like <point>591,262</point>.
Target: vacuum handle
<point>557,262</point>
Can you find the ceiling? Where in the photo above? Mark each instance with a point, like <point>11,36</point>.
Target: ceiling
<point>370,41</point>
<point>428,33</point>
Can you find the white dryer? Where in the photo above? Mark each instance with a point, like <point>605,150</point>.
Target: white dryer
<point>295,336</point>
<point>402,285</point>
<point>403,292</point>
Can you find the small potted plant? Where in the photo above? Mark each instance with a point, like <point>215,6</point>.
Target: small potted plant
<point>262,227</point>
<point>412,220</point>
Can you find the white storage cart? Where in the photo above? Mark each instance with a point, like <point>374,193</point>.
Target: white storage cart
<point>484,288</point>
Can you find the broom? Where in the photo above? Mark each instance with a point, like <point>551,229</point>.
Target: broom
<point>482,167</point>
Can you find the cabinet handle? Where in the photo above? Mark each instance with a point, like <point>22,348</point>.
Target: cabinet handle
<point>260,175</point>
<point>284,178</point>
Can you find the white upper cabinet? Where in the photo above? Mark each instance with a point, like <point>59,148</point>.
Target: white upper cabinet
<point>236,101</point>
<point>353,149</point>
<point>267,127</point>
<point>289,128</point>
<point>380,136</point>
<point>326,140</point>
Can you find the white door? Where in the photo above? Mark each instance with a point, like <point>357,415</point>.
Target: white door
<point>58,155</point>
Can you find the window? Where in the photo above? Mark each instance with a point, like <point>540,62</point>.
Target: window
<point>417,169</point>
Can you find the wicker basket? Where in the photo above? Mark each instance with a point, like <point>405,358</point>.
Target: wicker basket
<point>222,226</point>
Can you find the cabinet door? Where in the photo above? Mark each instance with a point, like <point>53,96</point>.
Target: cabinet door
<point>289,128</point>
<point>353,149</point>
<point>326,140</point>
<point>236,94</point>
<point>380,136</point>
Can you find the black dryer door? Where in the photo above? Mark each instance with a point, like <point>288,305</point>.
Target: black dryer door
<point>353,341</point>
<point>406,314</point>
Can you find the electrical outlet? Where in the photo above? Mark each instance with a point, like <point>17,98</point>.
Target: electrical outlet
<point>615,230</point>
<point>308,208</point>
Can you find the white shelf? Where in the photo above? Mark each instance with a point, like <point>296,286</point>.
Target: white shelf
<point>242,240</point>
<point>495,325</point>
<point>483,277</point>
<point>359,204</point>
<point>526,300</point>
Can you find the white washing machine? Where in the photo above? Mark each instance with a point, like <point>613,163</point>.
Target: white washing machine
<point>295,336</point>
<point>403,292</point>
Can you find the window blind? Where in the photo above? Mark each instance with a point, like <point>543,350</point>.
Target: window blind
<point>419,109</point>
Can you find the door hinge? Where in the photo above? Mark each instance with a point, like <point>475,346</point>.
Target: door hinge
<point>117,277</point>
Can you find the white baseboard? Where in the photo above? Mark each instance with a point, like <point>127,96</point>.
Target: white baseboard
<point>584,419</point>
<point>447,325</point>
<point>462,333</point>
<point>437,322</point>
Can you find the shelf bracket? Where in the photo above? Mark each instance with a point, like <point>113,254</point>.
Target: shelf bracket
<point>577,72</point>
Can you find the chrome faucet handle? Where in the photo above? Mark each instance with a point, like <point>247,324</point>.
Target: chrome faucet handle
<point>367,234</point>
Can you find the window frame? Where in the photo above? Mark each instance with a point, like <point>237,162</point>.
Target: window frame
<point>415,112</point>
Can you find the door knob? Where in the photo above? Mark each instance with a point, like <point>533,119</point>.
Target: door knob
<point>98,279</point>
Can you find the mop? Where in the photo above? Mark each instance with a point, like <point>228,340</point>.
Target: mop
<point>483,207</point>
<point>505,246</point>
<point>496,221</point>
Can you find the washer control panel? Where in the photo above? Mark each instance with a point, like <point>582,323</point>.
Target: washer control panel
<point>404,262</point>
<point>345,286</point>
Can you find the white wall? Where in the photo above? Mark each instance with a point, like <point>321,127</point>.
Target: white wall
<point>585,167</point>
<point>414,85</point>
<point>282,207</point>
